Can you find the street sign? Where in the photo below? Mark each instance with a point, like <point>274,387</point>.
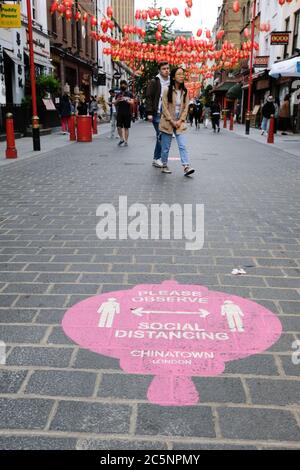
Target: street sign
<point>10,15</point>
<point>102,79</point>
<point>117,75</point>
<point>280,38</point>
<point>173,332</point>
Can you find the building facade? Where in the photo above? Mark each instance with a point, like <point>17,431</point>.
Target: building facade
<point>73,51</point>
<point>14,54</point>
<point>123,11</point>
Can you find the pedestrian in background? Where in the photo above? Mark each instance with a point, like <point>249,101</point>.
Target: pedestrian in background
<point>198,113</point>
<point>215,115</point>
<point>82,108</point>
<point>113,113</point>
<point>206,116</point>
<point>175,105</point>
<point>93,107</point>
<point>191,113</point>
<point>124,103</point>
<point>285,115</point>
<point>65,111</point>
<point>268,110</point>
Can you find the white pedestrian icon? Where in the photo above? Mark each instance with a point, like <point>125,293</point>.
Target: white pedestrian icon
<point>107,311</point>
<point>234,316</point>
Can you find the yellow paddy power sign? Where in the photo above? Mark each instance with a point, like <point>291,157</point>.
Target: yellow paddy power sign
<point>10,15</point>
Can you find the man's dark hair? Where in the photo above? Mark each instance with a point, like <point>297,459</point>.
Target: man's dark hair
<point>123,82</point>
<point>162,64</point>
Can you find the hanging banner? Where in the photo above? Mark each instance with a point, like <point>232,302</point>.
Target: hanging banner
<point>10,16</point>
<point>280,39</point>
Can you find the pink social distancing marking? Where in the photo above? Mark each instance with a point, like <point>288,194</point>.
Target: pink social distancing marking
<point>172,331</point>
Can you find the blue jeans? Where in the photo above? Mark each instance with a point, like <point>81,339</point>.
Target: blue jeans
<point>265,124</point>
<point>166,140</point>
<point>157,151</point>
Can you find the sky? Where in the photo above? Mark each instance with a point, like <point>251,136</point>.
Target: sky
<point>204,12</point>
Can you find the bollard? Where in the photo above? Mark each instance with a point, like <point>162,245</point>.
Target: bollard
<point>271,131</point>
<point>95,127</point>
<point>72,128</point>
<point>231,122</point>
<point>225,121</point>
<point>11,151</point>
<point>84,129</point>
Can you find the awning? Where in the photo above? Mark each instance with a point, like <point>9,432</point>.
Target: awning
<point>235,92</point>
<point>224,86</point>
<point>286,68</point>
<point>14,58</point>
<point>41,60</point>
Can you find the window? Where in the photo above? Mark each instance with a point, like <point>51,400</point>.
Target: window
<point>53,23</point>
<point>248,11</point>
<point>296,32</point>
<point>287,26</point>
<point>34,10</point>
<point>64,28</point>
<point>79,35</point>
<point>73,32</point>
<point>87,39</point>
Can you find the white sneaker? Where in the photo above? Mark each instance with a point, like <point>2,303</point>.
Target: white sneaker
<point>157,163</point>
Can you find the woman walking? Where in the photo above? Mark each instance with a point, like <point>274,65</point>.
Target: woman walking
<point>175,105</point>
<point>65,112</point>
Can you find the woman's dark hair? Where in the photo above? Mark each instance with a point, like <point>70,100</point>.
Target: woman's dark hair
<point>287,97</point>
<point>172,85</point>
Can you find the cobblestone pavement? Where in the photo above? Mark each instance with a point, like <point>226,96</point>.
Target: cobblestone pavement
<point>54,394</point>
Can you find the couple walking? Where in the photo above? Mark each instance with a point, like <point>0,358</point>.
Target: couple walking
<point>167,103</point>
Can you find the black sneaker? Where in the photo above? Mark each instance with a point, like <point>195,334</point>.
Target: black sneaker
<point>218,129</point>
<point>121,143</point>
<point>188,170</point>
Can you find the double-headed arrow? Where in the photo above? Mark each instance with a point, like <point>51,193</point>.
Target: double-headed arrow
<point>140,312</point>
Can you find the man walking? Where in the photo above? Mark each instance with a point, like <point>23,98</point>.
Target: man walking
<point>124,102</point>
<point>215,115</point>
<point>154,95</point>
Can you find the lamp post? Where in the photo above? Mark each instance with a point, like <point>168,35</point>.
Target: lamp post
<point>248,114</point>
<point>35,118</point>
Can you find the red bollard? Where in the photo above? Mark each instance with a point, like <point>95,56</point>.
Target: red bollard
<point>225,121</point>
<point>72,128</point>
<point>95,127</point>
<point>84,129</point>
<point>231,122</point>
<point>271,131</point>
<point>11,151</point>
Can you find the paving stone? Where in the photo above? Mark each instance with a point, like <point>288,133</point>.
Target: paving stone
<point>258,423</point>
<point>274,392</point>
<point>49,357</point>
<point>36,443</point>
<point>24,413</point>
<point>95,444</point>
<point>89,360</point>
<point>22,334</point>
<point>11,381</point>
<point>124,386</point>
<point>75,416</point>
<point>62,383</point>
<point>175,421</point>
